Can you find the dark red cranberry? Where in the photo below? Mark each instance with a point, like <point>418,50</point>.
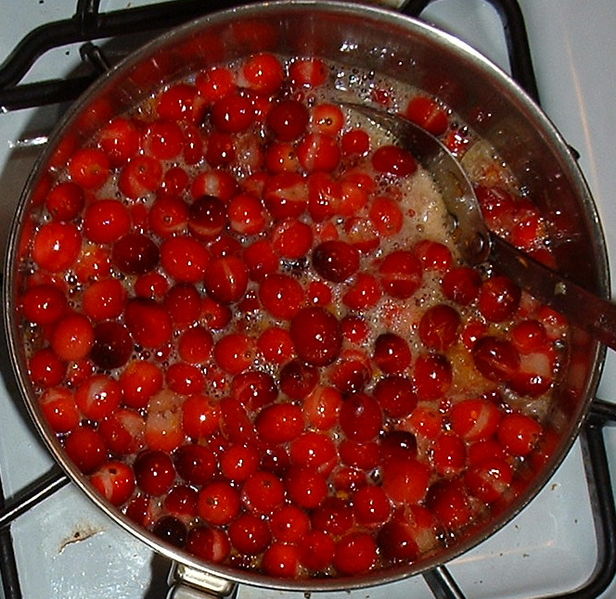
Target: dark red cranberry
<point>171,530</point>
<point>396,395</point>
<point>335,260</point>
<point>135,254</point>
<point>392,353</point>
<point>317,336</point>
<point>196,464</point>
<point>360,417</point>
<point>207,217</point>
<point>113,345</point>
<point>497,359</point>
<point>298,379</point>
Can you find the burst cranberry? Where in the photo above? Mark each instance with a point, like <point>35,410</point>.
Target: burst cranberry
<point>218,503</point>
<point>209,544</point>
<point>207,217</point>
<point>226,279</point>
<point>395,395</point>
<point>298,379</point>
<point>489,480</point>
<point>321,407</point>
<point>401,274</point>
<point>428,114</point>
<point>475,419</point>
<point>496,358</point>
<point>318,152</point>
<point>391,353</point>
<point>123,431</point>
<point>58,406</point>
<point>461,285</point>
<point>438,327</point>
<point>89,167</point>
<point>285,195</point>
<point>115,481</point>
<point>316,336</point>
<point>498,298</point>
<point>335,261</point>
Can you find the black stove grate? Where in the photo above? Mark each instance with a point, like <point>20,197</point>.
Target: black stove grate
<point>88,24</point>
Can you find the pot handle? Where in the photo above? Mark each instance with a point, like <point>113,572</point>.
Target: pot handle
<point>186,582</point>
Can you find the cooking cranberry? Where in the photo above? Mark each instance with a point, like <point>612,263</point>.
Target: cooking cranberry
<point>226,279</point>
<point>308,72</point>
<point>393,160</point>
<point>497,206</point>
<point>386,216</point>
<point>461,285</point>
<point>285,195</point>
<point>292,239</point>
<point>196,464</point>
<point>498,298</point>
<point>298,379</point>
<point>43,304</point>
<point>86,448</point>
<point>249,534</point>
<point>104,299</point>
<point>391,353</point>
<point>281,560</point>
<point>528,336</point>
<point>317,550</point>
<point>395,395</point>
<point>371,506</point>
<point>324,193</point>
<point>276,345</point>
<point>401,274</point>
<point>316,335</point>
<point>234,353</point>
<point>89,167</point>
<point>120,139</point>
<point>139,381</point>
<point>207,217</point>
<point>280,157</point>
<point>438,327</point>
<point>112,345</point>
<point>218,503</point>
<point>351,373</point>
<point>254,389</point>
<point>397,542</point>
<point>46,369</point>
<point>360,417</point>
<point>215,83</point>
<point>306,487</point>
<point>355,553</point>
<point>163,140</point>
<point>263,492</point>
<point>489,480</point>
<point>433,255</point>
<point>450,503</point>
<point>239,462</point>
<point>263,73</point>
<point>335,261</point>
<point>397,445</point>
<point>184,258</point>
<point>475,419</point>
<point>432,376</point>
<point>449,455</point>
<point>260,259</point>
<point>496,358</point>
<point>314,450</point>
<point>73,337</point>
<point>321,407</point>
<point>115,481</point>
<point>365,455</point>
<point>281,296</point>
<point>405,480</point>
<point>200,416</point>
<point>428,114</point>
<point>209,544</point>
<point>58,406</point>
<point>170,530</point>
<point>195,345</point>
<point>181,501</point>
<point>232,114</point>
<point>184,378</point>
<point>334,516</point>
<point>56,246</point>
<point>163,425</point>
<point>175,182</point>
<point>235,424</point>
<point>355,329</point>
<point>318,152</point>
<point>215,314</point>
<point>519,433</point>
<point>280,423</point>
<point>288,120</point>
<point>65,201</point>
<point>220,149</point>
<point>140,176</point>
<point>148,323</point>
<point>135,254</point>
<point>154,472</point>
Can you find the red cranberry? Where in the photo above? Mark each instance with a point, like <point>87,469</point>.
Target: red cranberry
<point>316,335</point>
<point>196,464</point>
<point>401,274</point>
<point>288,119</point>
<point>392,353</point>
<point>335,261</point>
<point>298,379</point>
<point>112,346</point>
<point>360,417</point>
<point>438,327</point>
<point>496,358</point>
<point>154,472</point>
<point>135,254</point>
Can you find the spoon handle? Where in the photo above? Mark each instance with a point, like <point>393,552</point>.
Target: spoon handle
<point>595,315</point>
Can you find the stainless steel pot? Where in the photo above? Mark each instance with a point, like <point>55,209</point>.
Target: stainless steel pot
<point>386,42</point>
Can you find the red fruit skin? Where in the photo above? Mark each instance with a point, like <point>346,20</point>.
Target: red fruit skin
<point>335,261</point>
<point>401,274</point>
<point>316,335</point>
<point>148,323</point>
<point>356,553</point>
<point>360,417</point>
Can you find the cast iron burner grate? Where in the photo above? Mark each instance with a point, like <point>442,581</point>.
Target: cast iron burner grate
<point>89,24</point>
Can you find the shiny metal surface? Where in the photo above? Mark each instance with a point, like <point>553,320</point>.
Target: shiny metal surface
<point>394,45</point>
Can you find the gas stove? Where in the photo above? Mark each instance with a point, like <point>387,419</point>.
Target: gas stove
<point>562,545</point>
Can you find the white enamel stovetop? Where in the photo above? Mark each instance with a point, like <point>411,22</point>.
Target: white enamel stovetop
<point>550,547</point>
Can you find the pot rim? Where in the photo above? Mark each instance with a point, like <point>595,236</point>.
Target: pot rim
<point>440,38</point>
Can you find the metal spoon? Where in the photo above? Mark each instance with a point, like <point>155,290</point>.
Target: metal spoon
<point>477,244</point>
